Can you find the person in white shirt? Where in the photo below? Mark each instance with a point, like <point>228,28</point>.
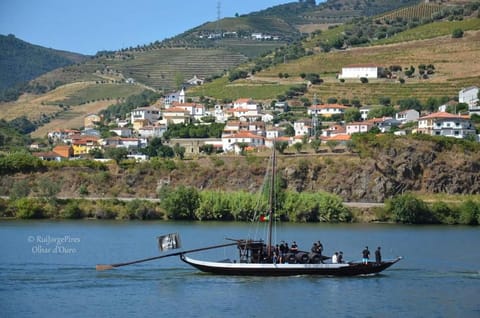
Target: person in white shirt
<point>335,258</point>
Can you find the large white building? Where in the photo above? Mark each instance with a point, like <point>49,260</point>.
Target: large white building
<point>358,71</point>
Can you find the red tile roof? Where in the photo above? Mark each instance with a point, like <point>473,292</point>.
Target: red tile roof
<point>444,115</point>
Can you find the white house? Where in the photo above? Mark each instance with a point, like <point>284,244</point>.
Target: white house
<point>334,130</point>
<point>246,103</point>
<point>195,110</point>
<point>62,134</point>
<point>274,132</point>
<point>119,142</point>
<point>122,132</point>
<point>358,71</point>
<point>358,127</point>
<point>172,97</point>
<point>176,115</point>
<point>230,142</point>
<point>327,110</point>
<point>150,114</point>
<point>220,115</point>
<point>195,81</point>
<point>407,116</point>
<point>364,110</point>
<point>446,124</point>
<point>302,128</point>
<point>152,131</point>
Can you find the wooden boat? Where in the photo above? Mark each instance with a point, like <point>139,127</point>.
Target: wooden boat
<point>257,258</point>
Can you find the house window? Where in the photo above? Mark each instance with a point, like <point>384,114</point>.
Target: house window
<point>437,133</point>
<point>457,124</point>
<point>439,124</point>
<point>456,133</point>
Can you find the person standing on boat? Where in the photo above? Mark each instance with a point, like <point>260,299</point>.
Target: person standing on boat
<point>378,256</point>
<point>340,257</point>
<point>283,250</point>
<point>366,255</point>
<point>294,247</point>
<point>335,258</point>
<point>320,247</point>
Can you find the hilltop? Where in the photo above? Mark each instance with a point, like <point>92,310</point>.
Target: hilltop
<point>21,62</point>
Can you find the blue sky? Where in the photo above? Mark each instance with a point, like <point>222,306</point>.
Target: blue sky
<point>88,26</point>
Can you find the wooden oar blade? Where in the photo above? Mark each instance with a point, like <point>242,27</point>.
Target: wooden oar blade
<point>103,267</point>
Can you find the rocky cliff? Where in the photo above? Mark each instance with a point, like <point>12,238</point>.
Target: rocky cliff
<point>370,175</point>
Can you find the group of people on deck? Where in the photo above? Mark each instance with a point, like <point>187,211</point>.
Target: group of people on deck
<point>280,251</point>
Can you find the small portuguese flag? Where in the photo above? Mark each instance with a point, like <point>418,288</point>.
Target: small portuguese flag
<point>264,218</point>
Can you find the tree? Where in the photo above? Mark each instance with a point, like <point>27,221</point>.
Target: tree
<point>315,144</point>
<point>381,111</point>
<point>280,146</point>
<point>457,33</point>
<point>180,203</point>
<point>410,103</point>
<point>352,114</point>
<point>117,154</point>
<point>179,150</point>
<point>408,209</point>
<point>385,101</point>
<point>289,130</point>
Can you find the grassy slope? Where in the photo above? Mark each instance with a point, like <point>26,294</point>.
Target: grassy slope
<point>83,97</point>
<point>452,58</point>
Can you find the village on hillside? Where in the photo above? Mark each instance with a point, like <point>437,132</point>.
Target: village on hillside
<point>249,125</point>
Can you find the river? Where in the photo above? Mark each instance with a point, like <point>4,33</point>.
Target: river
<point>47,269</point>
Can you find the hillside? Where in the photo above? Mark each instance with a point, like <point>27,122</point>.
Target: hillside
<point>101,80</point>
<point>431,43</point>
<point>21,62</point>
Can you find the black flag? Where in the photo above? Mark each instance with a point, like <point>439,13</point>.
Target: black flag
<point>169,241</point>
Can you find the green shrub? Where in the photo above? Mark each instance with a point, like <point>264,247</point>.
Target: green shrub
<point>409,210</point>
<point>26,208</point>
<point>72,211</point>
<point>469,213</point>
<point>444,213</point>
<point>180,203</point>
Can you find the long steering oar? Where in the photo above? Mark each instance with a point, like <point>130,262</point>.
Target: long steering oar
<point>112,266</point>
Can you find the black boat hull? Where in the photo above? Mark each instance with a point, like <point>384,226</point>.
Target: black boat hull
<point>242,269</point>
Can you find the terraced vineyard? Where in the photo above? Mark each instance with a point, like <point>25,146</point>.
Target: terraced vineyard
<point>159,68</point>
<point>369,94</point>
<point>420,11</point>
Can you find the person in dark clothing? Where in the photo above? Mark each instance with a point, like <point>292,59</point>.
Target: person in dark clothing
<point>294,247</point>
<point>378,256</point>
<point>365,255</point>
<point>283,250</point>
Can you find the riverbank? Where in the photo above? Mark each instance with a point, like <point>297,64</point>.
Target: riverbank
<point>190,205</point>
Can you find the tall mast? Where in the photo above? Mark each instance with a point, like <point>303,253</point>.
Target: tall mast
<point>271,202</point>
